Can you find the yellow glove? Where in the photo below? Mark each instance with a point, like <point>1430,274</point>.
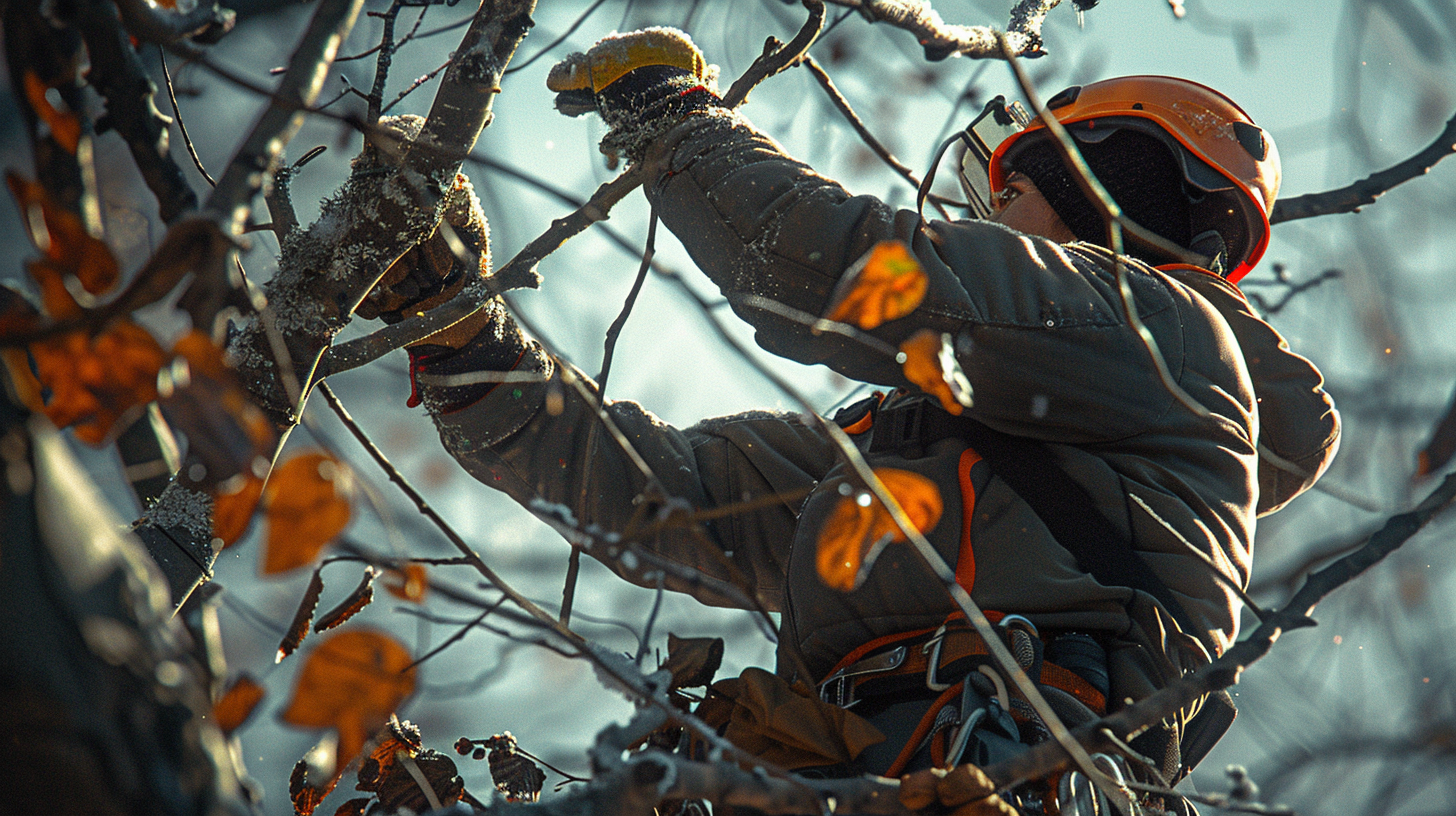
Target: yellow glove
<point>965,789</point>
<point>616,55</point>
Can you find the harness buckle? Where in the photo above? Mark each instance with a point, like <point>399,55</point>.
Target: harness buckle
<point>899,429</point>
<point>932,665</point>
<point>837,689</point>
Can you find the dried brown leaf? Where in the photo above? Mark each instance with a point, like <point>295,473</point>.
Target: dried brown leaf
<point>298,629</point>
<point>409,583</point>
<point>930,362</point>
<point>95,381</point>
<point>65,126</point>
<point>350,606</point>
<point>692,661</point>
<point>227,434</point>
<point>304,795</point>
<point>233,509</point>
<point>69,250</point>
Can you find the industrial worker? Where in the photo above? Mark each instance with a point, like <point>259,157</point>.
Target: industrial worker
<point>1062,386</point>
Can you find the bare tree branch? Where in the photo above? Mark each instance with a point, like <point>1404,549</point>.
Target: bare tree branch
<point>1367,190</point>
<point>941,39</point>
<point>117,74</point>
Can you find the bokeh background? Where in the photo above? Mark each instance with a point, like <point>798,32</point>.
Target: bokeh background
<point>1355,715</point>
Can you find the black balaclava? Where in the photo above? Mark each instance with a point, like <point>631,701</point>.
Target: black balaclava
<point>1139,171</point>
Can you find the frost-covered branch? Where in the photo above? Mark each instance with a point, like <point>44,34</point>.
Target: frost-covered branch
<point>394,199</point>
<point>941,39</point>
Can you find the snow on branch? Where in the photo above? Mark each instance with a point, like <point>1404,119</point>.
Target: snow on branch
<point>941,39</point>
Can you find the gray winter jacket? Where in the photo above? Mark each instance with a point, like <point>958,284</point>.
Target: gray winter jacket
<point>1043,340</point>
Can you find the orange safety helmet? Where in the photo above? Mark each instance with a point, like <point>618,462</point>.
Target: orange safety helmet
<point>1219,148</point>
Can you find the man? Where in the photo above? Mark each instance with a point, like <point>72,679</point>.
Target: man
<point>1063,388</point>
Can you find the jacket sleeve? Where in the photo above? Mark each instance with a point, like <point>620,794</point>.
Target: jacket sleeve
<point>563,458</point>
<point>1039,326</point>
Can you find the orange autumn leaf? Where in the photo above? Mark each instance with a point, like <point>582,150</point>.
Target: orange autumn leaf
<point>351,682</point>
<point>68,248</point>
<point>860,527</point>
<point>236,704</point>
<point>233,506</point>
<point>94,381</point>
<point>407,584</point>
<point>886,284</point>
<point>928,360</point>
<point>65,127</point>
<point>306,502</point>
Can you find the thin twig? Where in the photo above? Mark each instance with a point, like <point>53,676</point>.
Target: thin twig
<point>842,105</point>
<point>454,638</point>
<point>375,97</point>
<point>414,86</point>
<point>615,330</point>
<point>444,527</point>
<point>181,125</point>
<point>571,29</point>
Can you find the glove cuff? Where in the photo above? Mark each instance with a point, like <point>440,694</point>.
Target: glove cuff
<point>444,379</point>
<point>646,103</point>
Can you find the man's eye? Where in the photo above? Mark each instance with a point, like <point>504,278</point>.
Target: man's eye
<point>1005,197</point>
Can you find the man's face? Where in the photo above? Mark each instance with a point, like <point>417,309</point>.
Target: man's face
<point>1022,208</point>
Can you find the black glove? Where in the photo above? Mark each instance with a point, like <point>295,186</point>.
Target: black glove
<point>641,83</point>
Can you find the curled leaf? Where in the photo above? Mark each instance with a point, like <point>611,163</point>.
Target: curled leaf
<point>408,583</point>
<point>298,629</point>
<point>514,774</point>
<point>886,284</point>
<point>304,794</point>
<point>350,606</point>
<point>859,527</point>
<point>692,661</point>
<point>351,682</point>
<point>307,504</point>
<point>928,360</point>
<point>398,738</point>
<point>236,704</point>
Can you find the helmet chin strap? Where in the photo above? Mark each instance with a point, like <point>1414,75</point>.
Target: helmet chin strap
<point>1211,246</point>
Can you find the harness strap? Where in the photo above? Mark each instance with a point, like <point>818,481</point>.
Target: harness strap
<point>1032,471</point>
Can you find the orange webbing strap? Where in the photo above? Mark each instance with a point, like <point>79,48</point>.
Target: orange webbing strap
<point>879,642</point>
<point>1072,683</point>
<point>921,730</point>
<point>965,570</point>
